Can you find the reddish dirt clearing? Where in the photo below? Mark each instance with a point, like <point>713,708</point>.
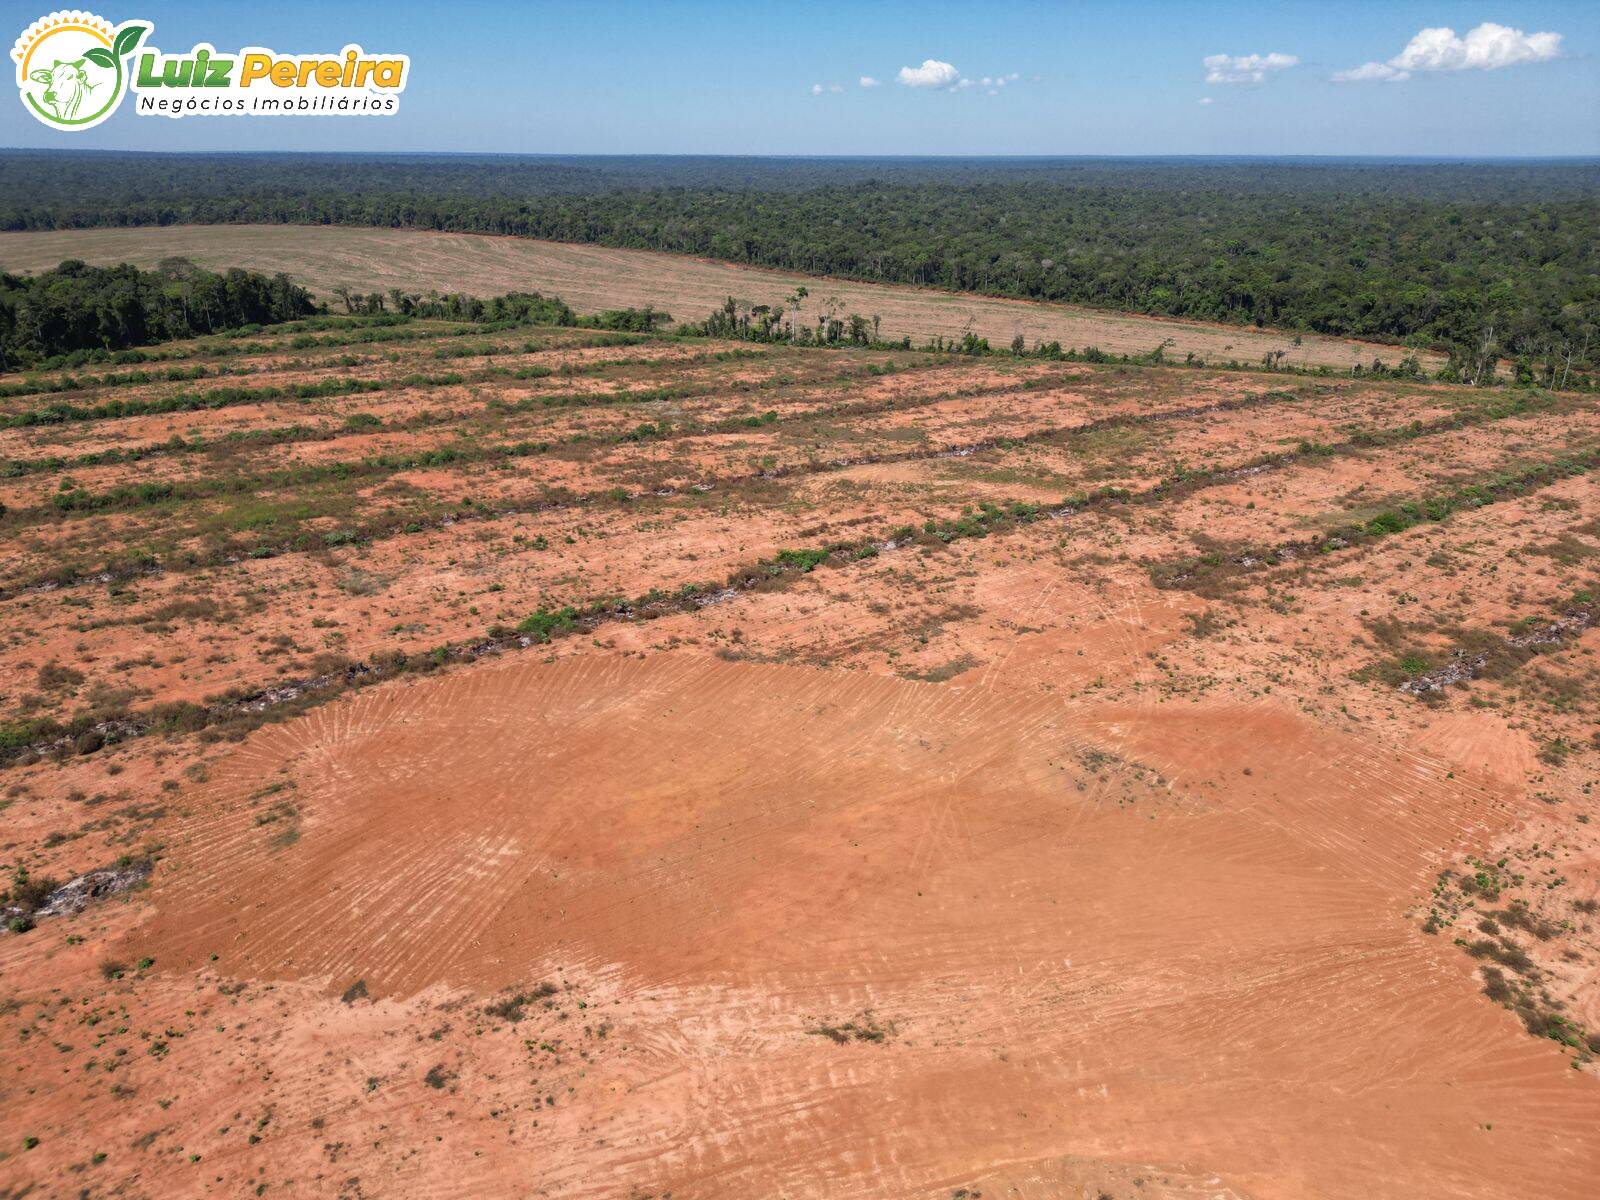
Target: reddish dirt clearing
<point>1093,851</point>
<point>745,853</point>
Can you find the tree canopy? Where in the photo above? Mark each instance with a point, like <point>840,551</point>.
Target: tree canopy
<point>75,307</point>
<point>1460,257</point>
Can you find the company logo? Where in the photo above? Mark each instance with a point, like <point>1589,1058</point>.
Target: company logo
<point>73,69</point>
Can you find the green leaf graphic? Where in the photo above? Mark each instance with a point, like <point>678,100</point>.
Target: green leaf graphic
<point>100,56</point>
<point>128,39</point>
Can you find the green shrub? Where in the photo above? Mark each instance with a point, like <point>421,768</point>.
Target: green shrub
<point>542,625</point>
<point>804,560</point>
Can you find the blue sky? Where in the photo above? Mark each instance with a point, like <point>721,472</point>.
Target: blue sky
<point>1080,77</point>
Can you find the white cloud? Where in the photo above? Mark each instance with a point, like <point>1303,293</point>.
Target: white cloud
<point>1208,100</point>
<point>817,89</point>
<point>1245,68</point>
<point>1370,72</point>
<point>935,74</point>
<point>931,74</point>
<point>868,81</point>
<point>1485,48</point>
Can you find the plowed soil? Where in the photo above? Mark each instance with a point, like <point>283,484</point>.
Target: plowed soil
<point>726,771</point>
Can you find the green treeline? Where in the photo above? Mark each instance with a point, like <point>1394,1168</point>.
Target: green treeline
<point>74,313</point>
<point>511,308</point>
<point>75,307</point>
<point>1477,259</point>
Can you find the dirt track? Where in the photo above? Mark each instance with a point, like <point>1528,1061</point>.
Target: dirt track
<point>592,278</point>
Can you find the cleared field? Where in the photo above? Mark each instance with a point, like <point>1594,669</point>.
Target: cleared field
<point>593,278</point>
<point>589,765</point>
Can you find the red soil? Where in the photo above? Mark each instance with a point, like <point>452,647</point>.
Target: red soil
<point>1023,864</point>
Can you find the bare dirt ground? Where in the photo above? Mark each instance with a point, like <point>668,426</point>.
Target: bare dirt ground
<point>596,767</point>
<point>593,278</point>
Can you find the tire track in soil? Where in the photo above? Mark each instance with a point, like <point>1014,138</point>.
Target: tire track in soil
<point>750,844</point>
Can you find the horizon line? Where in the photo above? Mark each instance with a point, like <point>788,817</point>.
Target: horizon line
<point>815,157</point>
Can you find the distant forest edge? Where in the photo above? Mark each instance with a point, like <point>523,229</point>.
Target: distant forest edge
<point>1476,260</point>
<point>75,314</point>
<point>75,308</point>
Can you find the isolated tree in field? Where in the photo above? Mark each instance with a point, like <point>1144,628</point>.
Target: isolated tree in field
<point>1485,357</point>
<point>795,299</point>
<point>828,329</point>
<point>1581,355</point>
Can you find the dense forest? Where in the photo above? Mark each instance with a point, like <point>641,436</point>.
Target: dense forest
<point>78,308</point>
<point>1475,259</point>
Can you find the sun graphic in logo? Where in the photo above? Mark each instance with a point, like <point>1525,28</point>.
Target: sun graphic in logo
<point>70,67</point>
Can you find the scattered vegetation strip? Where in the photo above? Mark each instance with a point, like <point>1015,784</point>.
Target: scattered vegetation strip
<point>88,732</point>
<point>116,409</point>
<point>29,738</point>
<point>364,424</point>
<point>1500,658</point>
<point>215,398</point>
<point>1211,568</point>
<point>125,496</point>
<point>35,386</point>
<point>355,424</point>
<point>83,383</point>
<point>391,524</point>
